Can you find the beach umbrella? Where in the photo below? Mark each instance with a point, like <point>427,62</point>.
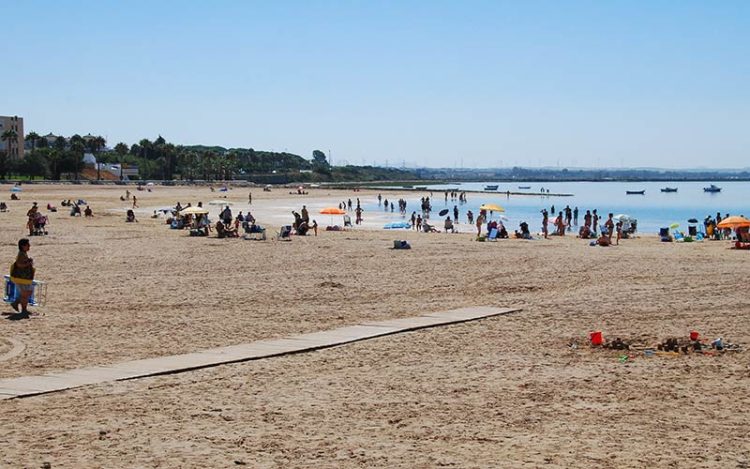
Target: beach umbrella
<point>444,212</point>
<point>492,208</point>
<point>674,225</point>
<point>734,222</point>
<point>332,211</point>
<point>220,202</point>
<point>150,184</point>
<point>193,211</point>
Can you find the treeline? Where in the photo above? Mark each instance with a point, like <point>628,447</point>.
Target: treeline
<point>554,174</point>
<point>63,158</point>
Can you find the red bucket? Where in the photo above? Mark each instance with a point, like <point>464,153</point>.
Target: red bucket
<point>596,338</point>
<point>694,335</point>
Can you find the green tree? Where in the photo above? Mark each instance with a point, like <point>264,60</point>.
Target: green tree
<point>9,136</point>
<point>33,137</point>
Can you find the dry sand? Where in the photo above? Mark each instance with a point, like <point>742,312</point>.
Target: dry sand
<point>501,392</point>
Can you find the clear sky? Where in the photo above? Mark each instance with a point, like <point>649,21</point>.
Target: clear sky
<point>432,83</point>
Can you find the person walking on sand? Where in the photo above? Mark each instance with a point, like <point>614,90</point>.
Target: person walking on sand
<point>545,220</point>
<point>135,202</point>
<point>250,198</point>
<point>22,275</point>
<point>413,220</point>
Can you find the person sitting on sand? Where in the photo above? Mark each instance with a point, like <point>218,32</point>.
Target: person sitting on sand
<point>603,240</point>
<point>221,231</point>
<point>303,228</point>
<point>3,207</point>
<point>13,197</point>
<point>524,233</point>
<point>427,228</point>
<point>501,231</point>
<point>87,212</point>
<point>75,210</point>
<point>51,208</point>
<point>130,216</point>
<point>584,232</point>
<point>449,225</point>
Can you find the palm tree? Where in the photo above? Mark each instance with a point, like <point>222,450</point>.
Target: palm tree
<point>77,147</point>
<point>33,137</point>
<point>10,137</point>
<point>121,149</point>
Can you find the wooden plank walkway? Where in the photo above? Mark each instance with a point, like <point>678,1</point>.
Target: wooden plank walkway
<point>34,385</point>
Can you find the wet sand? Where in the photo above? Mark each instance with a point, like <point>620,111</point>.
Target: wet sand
<point>502,392</point>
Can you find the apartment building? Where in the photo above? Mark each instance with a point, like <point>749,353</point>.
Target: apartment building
<point>14,146</point>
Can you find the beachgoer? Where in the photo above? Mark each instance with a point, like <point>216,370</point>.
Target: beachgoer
<point>358,212</point>
<point>575,216</point>
<point>449,225</point>
<point>87,212</point>
<point>314,227</point>
<point>22,275</point>
<point>31,214</point>
<point>380,199</point>
<point>595,222</point>
<point>419,223</point>
<point>135,202</point>
<point>618,227</point>
<point>480,222</point>
<point>545,221</point>
<point>305,214</point>
<point>470,217</point>
<point>455,213</point>
<point>610,225</point>
<point>250,198</point>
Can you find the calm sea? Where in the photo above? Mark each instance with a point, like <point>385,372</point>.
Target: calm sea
<point>653,210</point>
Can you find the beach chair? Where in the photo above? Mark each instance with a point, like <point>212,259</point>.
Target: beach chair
<point>38,293</point>
<point>285,233</point>
<point>664,235</point>
<point>253,231</point>
<point>493,235</point>
<point>347,221</point>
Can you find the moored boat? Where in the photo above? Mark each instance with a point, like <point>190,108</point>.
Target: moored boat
<point>669,189</point>
<point>491,188</point>
<point>635,192</point>
<point>524,187</point>
<point>712,188</point>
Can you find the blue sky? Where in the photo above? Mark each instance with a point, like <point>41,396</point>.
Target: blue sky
<point>438,83</point>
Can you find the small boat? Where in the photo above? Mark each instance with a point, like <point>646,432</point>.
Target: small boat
<point>635,192</point>
<point>669,189</point>
<point>712,188</point>
<point>491,188</point>
<point>524,187</point>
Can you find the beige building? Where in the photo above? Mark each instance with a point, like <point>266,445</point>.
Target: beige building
<point>14,147</point>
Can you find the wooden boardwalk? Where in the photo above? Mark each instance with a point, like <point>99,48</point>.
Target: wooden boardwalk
<point>34,385</point>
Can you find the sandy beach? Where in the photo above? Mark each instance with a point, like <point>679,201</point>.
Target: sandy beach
<point>500,392</point>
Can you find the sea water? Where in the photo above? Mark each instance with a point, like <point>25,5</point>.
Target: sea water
<point>653,210</point>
